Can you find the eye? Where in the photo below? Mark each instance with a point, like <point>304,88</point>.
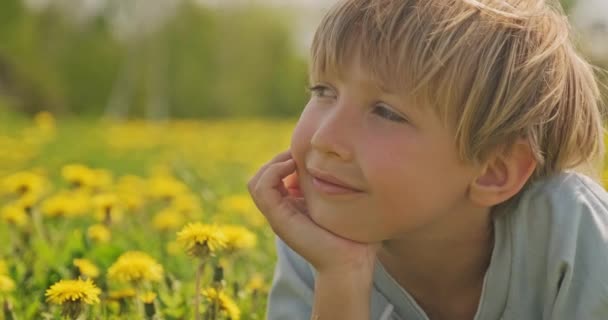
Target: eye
<point>386,113</point>
<point>321,91</point>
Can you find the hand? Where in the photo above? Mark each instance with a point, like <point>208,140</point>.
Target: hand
<point>275,191</point>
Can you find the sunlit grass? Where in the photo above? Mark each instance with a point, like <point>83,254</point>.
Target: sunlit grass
<point>105,202</point>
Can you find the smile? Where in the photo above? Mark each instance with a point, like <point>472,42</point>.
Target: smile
<point>331,188</point>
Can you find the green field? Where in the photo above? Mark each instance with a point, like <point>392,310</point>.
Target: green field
<point>64,183</point>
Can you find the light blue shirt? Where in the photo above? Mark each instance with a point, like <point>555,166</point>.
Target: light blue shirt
<point>550,261</point>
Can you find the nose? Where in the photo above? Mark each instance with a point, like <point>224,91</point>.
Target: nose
<point>335,133</point>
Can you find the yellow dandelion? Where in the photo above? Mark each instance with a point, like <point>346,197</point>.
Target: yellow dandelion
<point>148,297</point>
<point>186,204</point>
<point>24,183</point>
<point>107,207</point>
<point>239,203</point>
<point>28,200</point>
<point>135,266</point>
<point>256,284</point>
<point>200,239</point>
<point>74,291</point>
<point>78,175</point>
<point>66,203</point>
<point>99,233</point>
<point>130,184</point>
<point>238,237</point>
<point>103,179</point>
<point>73,295</point>
<point>227,306</point>
<point>168,219</point>
<point>86,268</point>
<point>242,205</point>
<point>6,284</point>
<point>166,187</point>
<point>132,201</point>
<point>15,215</point>
<point>122,294</point>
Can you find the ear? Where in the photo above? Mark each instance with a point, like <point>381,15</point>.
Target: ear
<point>503,175</point>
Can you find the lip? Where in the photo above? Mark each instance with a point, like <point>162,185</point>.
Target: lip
<point>330,184</point>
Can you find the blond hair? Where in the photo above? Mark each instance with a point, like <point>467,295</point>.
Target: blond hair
<point>494,71</point>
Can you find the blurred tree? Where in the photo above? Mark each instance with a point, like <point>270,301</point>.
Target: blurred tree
<point>199,62</point>
<point>139,25</point>
<point>26,81</point>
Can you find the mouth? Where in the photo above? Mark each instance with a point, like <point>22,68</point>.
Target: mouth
<point>328,184</point>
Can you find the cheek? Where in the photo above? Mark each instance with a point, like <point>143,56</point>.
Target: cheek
<point>302,134</point>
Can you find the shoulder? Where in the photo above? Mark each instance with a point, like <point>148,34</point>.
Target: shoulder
<point>559,236</point>
<point>563,210</point>
<point>566,201</point>
<point>566,196</point>
<point>291,293</point>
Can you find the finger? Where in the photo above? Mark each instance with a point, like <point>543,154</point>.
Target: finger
<point>292,183</point>
<point>283,156</point>
<point>269,190</point>
<point>299,204</point>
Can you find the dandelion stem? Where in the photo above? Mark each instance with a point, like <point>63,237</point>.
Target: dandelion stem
<point>140,304</point>
<point>197,290</point>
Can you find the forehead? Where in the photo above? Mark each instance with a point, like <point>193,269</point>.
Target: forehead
<point>360,71</point>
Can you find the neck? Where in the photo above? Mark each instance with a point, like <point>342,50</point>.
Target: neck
<point>442,261</point>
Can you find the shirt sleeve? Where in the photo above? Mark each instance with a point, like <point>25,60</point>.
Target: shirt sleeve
<point>292,290</point>
<point>581,289</point>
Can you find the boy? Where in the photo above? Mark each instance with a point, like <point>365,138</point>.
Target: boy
<point>428,176</point>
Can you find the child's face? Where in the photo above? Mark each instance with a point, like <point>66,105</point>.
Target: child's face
<point>400,159</point>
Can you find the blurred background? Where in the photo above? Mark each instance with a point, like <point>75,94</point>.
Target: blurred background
<point>155,58</point>
<point>162,59</point>
<point>222,81</point>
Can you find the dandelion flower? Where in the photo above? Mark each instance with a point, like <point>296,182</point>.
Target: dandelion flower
<point>148,297</point>
<point>6,284</point>
<point>24,183</point>
<point>66,203</point>
<point>107,208</point>
<point>132,201</point>
<point>130,184</point>
<point>73,290</point>
<point>73,295</point>
<point>186,203</point>
<point>122,294</point>
<point>135,266</point>
<point>78,175</point>
<point>27,201</point>
<point>148,300</point>
<point>103,179</point>
<point>167,219</point>
<point>227,306</point>
<point>166,187</point>
<point>242,205</point>
<point>15,215</point>
<point>86,268</point>
<point>200,239</point>
<point>99,233</point>
<point>256,284</point>
<point>238,237</point>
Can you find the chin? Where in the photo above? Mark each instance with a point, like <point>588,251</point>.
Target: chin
<point>357,234</point>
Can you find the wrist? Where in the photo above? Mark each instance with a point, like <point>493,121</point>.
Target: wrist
<point>346,278</point>
<point>349,290</point>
